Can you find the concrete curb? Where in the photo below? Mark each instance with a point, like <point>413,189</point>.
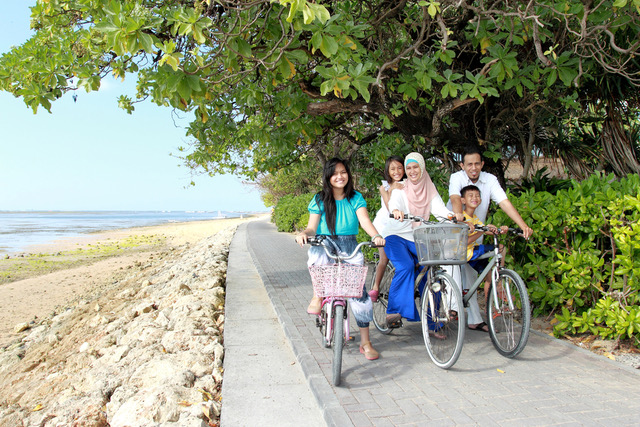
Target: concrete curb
<point>333,412</point>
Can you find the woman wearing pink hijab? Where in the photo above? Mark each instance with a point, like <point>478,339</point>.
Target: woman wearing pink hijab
<point>418,197</point>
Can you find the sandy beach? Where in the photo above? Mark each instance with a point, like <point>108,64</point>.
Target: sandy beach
<point>36,297</point>
<point>120,339</point>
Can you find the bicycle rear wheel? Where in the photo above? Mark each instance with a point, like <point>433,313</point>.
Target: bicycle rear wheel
<point>380,306</point>
<point>338,342</point>
<point>509,328</point>
<point>443,320</point>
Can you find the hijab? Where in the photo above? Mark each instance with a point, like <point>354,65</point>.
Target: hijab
<point>421,193</point>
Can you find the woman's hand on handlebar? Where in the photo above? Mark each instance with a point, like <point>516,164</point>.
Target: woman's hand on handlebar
<point>378,240</point>
<point>398,214</point>
<point>301,239</point>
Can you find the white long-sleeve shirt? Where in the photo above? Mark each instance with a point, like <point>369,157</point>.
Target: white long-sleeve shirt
<point>404,228</point>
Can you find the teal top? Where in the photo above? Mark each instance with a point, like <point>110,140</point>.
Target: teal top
<point>346,218</point>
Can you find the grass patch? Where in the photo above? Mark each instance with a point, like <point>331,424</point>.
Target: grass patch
<point>29,265</point>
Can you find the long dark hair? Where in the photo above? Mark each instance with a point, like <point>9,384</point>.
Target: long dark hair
<point>326,195</point>
<point>387,165</point>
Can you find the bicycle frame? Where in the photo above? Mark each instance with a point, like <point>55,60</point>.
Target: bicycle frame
<point>331,302</point>
<point>493,261</point>
<point>431,272</point>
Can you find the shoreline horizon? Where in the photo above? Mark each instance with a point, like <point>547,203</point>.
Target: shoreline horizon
<point>38,229</point>
<point>111,234</point>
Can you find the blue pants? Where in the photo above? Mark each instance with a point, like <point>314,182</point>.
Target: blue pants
<point>402,254</point>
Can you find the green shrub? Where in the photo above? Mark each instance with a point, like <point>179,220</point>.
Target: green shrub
<point>541,181</point>
<point>291,214</point>
<point>584,256</point>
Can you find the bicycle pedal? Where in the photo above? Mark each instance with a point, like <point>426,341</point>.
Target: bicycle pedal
<point>395,325</point>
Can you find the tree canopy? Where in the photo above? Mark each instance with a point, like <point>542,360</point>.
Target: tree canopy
<point>274,82</point>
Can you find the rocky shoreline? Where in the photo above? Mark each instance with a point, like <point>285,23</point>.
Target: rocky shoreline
<point>146,348</point>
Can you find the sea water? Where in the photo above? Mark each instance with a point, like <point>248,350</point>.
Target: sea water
<point>18,230</point>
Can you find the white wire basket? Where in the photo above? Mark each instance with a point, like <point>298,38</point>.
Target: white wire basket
<point>441,244</point>
<point>338,280</point>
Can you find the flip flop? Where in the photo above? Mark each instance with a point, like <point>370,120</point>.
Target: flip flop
<point>480,327</point>
<point>314,307</point>
<point>394,320</point>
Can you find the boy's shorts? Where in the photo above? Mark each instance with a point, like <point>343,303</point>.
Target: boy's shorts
<point>480,264</point>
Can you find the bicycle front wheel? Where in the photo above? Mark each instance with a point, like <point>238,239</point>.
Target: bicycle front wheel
<point>443,320</point>
<point>338,342</point>
<point>380,306</point>
<point>509,316</point>
<point>322,322</point>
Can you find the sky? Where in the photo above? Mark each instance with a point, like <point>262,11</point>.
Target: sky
<point>91,155</point>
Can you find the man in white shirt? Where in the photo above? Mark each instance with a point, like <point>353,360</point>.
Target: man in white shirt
<point>490,189</point>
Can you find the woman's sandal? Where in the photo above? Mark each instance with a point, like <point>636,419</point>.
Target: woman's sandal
<point>480,327</point>
<point>373,294</point>
<point>315,306</point>
<point>369,352</point>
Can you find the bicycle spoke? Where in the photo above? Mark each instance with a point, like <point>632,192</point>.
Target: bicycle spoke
<point>380,307</point>
<point>441,322</point>
<point>508,314</point>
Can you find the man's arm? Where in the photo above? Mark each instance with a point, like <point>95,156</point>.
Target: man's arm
<point>454,196</point>
<point>456,206</point>
<point>513,213</point>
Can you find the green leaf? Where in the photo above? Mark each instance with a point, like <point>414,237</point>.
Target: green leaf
<point>329,46</point>
<point>244,48</point>
<point>551,78</point>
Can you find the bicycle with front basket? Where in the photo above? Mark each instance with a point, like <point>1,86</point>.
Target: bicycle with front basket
<point>440,302</point>
<point>334,283</point>
<point>508,310</point>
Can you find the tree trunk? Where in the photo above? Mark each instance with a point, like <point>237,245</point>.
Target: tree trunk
<point>616,145</point>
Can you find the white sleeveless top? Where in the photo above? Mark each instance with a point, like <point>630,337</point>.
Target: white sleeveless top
<point>382,216</point>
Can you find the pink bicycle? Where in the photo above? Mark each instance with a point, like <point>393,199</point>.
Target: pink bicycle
<point>334,283</point>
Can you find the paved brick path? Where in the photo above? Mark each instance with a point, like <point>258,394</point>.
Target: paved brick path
<point>550,383</point>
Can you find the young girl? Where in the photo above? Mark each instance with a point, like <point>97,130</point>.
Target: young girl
<point>419,197</point>
<point>393,174</point>
<point>336,212</point>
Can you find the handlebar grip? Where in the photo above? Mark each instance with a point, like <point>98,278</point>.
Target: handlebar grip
<point>405,216</point>
<point>315,240</point>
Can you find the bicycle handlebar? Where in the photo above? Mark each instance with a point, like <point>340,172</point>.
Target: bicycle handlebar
<point>484,228</point>
<point>512,230</point>
<point>319,241</point>
<point>417,218</point>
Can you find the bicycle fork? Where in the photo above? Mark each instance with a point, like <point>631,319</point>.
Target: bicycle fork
<point>435,287</point>
<point>329,307</point>
<point>495,277</point>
